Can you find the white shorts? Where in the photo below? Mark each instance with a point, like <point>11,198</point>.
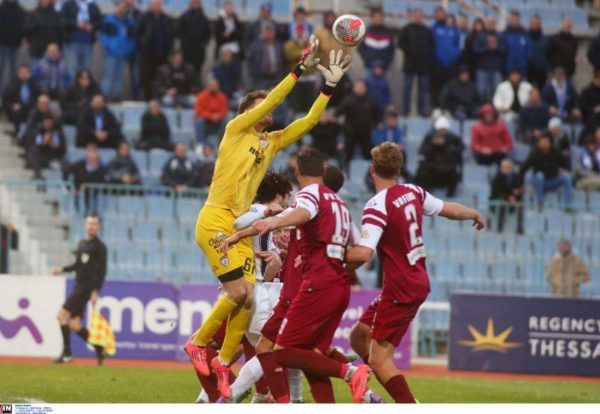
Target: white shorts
<point>266,296</point>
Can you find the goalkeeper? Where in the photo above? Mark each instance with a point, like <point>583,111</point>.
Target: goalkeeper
<point>243,159</point>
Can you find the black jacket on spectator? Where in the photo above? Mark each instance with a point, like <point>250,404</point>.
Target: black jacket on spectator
<point>202,174</point>
<point>12,96</point>
<point>418,44</point>
<point>177,172</point>
<point>503,186</point>
<point>69,14</point>
<point>562,51</point>
<point>532,118</point>
<point>538,59</point>
<point>32,124</point>
<point>155,36</point>
<point>361,112</point>
<point>326,137</point>
<point>593,52</point>
<point>83,175</point>
<point>549,96</point>
<point>12,21</point>
<point>193,29</point>
<point>183,79</point>
<point>440,166</point>
<point>589,100</point>
<point>155,132</point>
<point>236,36</point>
<point>459,96</point>
<point>86,129</point>
<point>9,240</point>
<point>42,150</point>
<point>120,166</point>
<point>76,101</point>
<point>549,164</point>
<point>42,27</point>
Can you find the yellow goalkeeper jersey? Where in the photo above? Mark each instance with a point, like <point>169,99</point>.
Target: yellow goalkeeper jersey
<point>245,155</point>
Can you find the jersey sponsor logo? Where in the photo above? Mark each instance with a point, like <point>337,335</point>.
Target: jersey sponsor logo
<point>217,241</point>
<point>258,154</point>
<point>415,254</point>
<point>490,341</point>
<point>85,257</point>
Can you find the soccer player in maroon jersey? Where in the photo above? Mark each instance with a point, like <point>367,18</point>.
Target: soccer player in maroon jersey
<point>323,233</point>
<point>391,224</point>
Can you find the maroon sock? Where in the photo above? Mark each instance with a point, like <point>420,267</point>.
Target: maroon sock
<point>398,389</point>
<point>338,356</point>
<point>320,388</point>
<point>310,362</point>
<point>209,384</point>
<point>275,377</point>
<point>261,386</point>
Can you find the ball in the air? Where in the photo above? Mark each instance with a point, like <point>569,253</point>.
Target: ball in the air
<point>348,30</point>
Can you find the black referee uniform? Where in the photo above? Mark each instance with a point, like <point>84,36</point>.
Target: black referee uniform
<point>90,271</point>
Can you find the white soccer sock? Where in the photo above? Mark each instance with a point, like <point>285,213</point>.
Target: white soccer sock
<point>295,381</point>
<point>203,397</point>
<point>250,373</point>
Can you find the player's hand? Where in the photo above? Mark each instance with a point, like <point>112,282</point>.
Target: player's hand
<point>273,209</point>
<point>308,56</point>
<point>94,297</point>
<point>298,262</point>
<point>261,227</point>
<point>337,67</point>
<point>57,271</point>
<point>271,258</point>
<point>478,221</point>
<point>228,242</point>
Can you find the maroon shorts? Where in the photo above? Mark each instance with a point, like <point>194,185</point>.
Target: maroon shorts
<point>389,319</point>
<point>270,329</point>
<point>313,318</point>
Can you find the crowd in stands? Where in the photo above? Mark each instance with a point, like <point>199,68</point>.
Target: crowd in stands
<point>462,70</point>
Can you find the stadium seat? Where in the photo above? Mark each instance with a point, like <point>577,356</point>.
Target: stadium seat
<point>157,160</point>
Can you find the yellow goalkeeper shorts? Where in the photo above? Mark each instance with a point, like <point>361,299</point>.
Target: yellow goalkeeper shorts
<point>214,225</point>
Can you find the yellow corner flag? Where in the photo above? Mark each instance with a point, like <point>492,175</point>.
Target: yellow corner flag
<point>101,334</point>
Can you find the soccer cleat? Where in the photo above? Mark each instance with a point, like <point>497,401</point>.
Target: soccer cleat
<point>262,399</point>
<point>370,397</point>
<point>297,401</point>
<point>197,355</point>
<point>63,358</point>
<point>222,373</point>
<point>358,383</point>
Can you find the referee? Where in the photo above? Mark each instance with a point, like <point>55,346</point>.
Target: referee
<point>90,270</point>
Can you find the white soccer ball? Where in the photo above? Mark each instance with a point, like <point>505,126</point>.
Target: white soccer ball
<point>348,30</point>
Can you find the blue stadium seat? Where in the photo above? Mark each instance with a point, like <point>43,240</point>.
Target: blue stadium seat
<point>145,231</point>
<point>132,206</point>
<point>160,206</point>
<point>358,170</point>
<point>157,160</point>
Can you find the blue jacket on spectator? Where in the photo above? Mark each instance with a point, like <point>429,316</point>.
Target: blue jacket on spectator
<point>52,76</point>
<point>487,59</point>
<point>447,44</point>
<point>377,47</point>
<point>550,97</point>
<point>384,134</point>
<point>517,43</point>
<point>534,118</point>
<point>118,36</point>
<point>378,88</point>
<point>228,77</point>
<point>539,48</point>
<point>593,52</point>
<point>70,14</point>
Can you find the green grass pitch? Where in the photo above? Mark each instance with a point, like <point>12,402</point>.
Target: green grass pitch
<point>87,384</point>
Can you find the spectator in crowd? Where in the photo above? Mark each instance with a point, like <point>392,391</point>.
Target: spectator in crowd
<point>134,14</point>
<point>229,31</point>
<point>193,30</point>
<point>378,43</point>
<point>155,36</point>
<point>378,86</point>
<point>303,93</point>
<point>52,74</point>
<point>507,191</point>
<point>489,60</point>
<point>123,169</point>
<point>49,145</point>
<point>12,23</point>
<point>566,272</point>
<point>19,96</point>
<point>211,112</point>
<point>464,30</point>
<point>389,131</point>
<point>79,96</point>
<point>560,141</point>
<point>328,136</point>
<point>81,20</point>
<point>327,42</point>
<point>265,59</point>
<point>176,82</point>
<point>468,51</point>
<point>265,17</point>
<point>34,119</point>
<point>228,72</point>
<point>43,26</point>
<point>178,170</point>
<point>593,52</point>
<point>117,34</point>
<point>490,139</point>
<point>537,64</point>
<point>590,103</point>
<point>417,43</point>
<point>512,95</point>
<point>560,95</point>
<point>361,115</point>
<point>447,52</point>
<point>91,169</point>
<point>562,49</point>
<point>98,125</point>
<point>516,44</point>
<point>587,169</point>
<point>460,96</point>
<point>155,129</point>
<point>9,240</point>
<point>204,168</point>
<point>440,159</point>
<point>533,117</point>
<point>549,171</point>
<point>300,18</point>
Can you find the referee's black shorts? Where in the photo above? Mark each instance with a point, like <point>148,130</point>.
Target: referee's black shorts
<point>77,300</point>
